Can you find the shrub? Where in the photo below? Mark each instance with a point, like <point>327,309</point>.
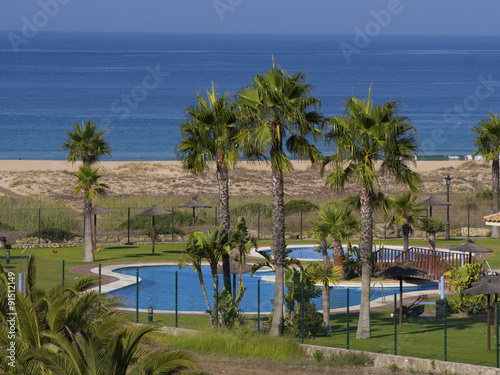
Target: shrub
<point>348,359</point>
<point>318,356</point>
<point>294,206</point>
<point>484,195</point>
<point>54,234</point>
<point>253,209</point>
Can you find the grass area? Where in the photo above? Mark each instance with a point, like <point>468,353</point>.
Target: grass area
<point>419,337</point>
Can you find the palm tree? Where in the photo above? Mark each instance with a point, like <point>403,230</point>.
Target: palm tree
<point>334,220</point>
<point>123,354</point>
<point>370,139</point>
<point>194,255</point>
<point>325,275</point>
<point>240,240</point>
<point>405,215</point>
<point>488,145</point>
<point>86,143</point>
<point>208,135</point>
<point>278,112</point>
<point>88,183</point>
<point>433,226</point>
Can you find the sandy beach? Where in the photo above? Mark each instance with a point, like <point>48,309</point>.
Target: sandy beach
<point>20,178</point>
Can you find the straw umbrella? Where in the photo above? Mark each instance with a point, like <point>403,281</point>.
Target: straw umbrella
<point>471,247</point>
<point>488,286</point>
<point>153,211</point>
<point>432,201</point>
<point>194,204</point>
<point>96,210</point>
<point>399,272</point>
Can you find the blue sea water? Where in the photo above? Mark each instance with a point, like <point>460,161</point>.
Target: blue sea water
<point>137,85</point>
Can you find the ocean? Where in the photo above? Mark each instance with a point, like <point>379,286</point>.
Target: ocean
<point>137,85</point>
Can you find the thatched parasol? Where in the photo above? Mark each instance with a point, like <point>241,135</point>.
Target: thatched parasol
<point>488,286</point>
<point>153,211</point>
<point>432,201</point>
<point>96,210</point>
<point>399,272</point>
<point>471,247</point>
<point>194,204</point>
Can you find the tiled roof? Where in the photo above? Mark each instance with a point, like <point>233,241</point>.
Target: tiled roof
<point>493,218</point>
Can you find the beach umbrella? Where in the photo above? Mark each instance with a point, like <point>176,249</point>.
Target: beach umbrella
<point>432,201</point>
<point>194,204</point>
<point>153,211</point>
<point>487,286</point>
<point>399,272</point>
<point>471,247</point>
<point>96,210</point>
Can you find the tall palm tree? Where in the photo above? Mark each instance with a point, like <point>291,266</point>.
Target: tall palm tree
<point>89,185</point>
<point>325,275</point>
<point>208,135</point>
<point>370,139</point>
<point>405,215</point>
<point>334,220</point>
<point>280,115</point>
<point>86,143</point>
<point>488,145</point>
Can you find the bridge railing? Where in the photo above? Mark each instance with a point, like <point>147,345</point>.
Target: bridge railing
<point>433,262</point>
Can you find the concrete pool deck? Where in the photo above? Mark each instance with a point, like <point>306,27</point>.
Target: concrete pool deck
<point>111,280</point>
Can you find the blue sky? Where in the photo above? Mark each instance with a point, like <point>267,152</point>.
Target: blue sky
<point>445,17</point>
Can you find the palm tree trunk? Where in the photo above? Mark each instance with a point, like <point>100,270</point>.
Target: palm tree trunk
<point>202,284</point>
<point>366,257</point>
<point>324,253</point>
<point>326,308</point>
<point>338,257</point>
<point>223,180</point>
<point>88,255</point>
<point>279,245</point>
<point>495,171</point>
<point>432,240</point>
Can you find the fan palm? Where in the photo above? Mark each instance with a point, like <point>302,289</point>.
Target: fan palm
<point>208,135</point>
<point>278,112</point>
<point>326,275</point>
<point>405,214</point>
<point>433,226</point>
<point>88,183</point>
<point>86,143</point>
<point>370,139</point>
<point>334,220</point>
<point>488,145</point>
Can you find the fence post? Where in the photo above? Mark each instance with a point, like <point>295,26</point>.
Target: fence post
<point>176,297</point>
<point>302,313</point>
<point>396,324</point>
<point>137,295</point>
<point>258,306</point>
<point>498,352</point>
<point>128,225</point>
<point>217,302</point>
<point>215,215</point>
<point>63,272</point>
<point>445,335</point>
<point>347,318</point>
<point>468,221</point>
<point>39,225</point>
<point>301,210</point>
<point>172,223</point>
<point>258,223</point>
<point>99,278</point>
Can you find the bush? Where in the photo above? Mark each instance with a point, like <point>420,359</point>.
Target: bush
<point>313,321</point>
<point>54,234</point>
<point>484,195</point>
<point>294,206</point>
<point>6,227</point>
<point>253,209</point>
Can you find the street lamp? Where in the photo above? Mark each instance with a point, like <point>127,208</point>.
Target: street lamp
<point>448,181</point>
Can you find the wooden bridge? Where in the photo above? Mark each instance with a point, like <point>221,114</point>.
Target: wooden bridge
<point>433,262</point>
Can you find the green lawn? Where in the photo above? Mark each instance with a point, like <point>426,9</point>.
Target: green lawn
<point>419,337</point>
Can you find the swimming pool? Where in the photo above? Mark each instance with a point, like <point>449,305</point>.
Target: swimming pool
<point>157,289</point>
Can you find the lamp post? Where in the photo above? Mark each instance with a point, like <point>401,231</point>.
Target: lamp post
<point>448,181</point>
